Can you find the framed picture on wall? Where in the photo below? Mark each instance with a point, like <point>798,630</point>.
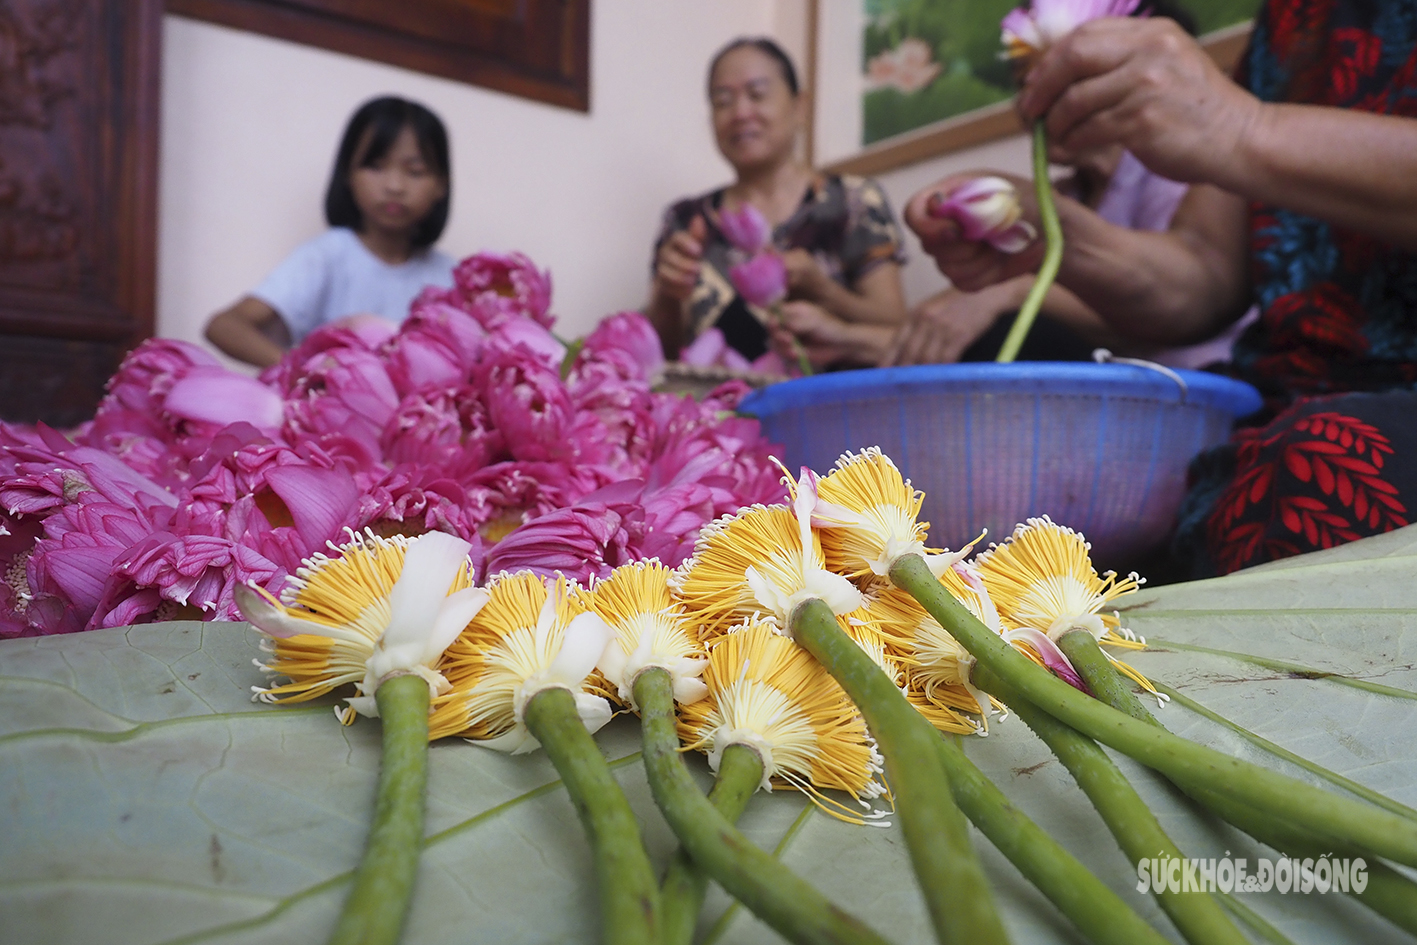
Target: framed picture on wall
<point>537,49</point>
<point>899,81</point>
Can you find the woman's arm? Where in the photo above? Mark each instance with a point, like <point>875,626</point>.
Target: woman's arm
<point>245,332</point>
<point>1147,85</point>
<point>676,271</point>
<point>874,299</point>
<point>1168,288</point>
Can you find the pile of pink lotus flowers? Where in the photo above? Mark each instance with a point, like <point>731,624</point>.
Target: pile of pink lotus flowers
<point>471,418</point>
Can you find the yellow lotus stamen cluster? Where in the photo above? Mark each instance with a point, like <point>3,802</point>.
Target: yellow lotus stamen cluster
<point>769,694</point>
<point>651,629</point>
<point>936,665</point>
<point>497,661</point>
<point>711,584</point>
<point>347,596</point>
<point>1042,577</point>
<point>886,511</point>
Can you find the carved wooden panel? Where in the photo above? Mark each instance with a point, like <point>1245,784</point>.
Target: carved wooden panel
<point>537,49</point>
<point>78,182</point>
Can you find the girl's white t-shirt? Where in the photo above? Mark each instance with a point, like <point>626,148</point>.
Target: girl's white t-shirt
<point>335,275</point>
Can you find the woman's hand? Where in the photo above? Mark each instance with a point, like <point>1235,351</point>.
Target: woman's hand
<point>676,267</point>
<point>941,328</point>
<point>805,278</point>
<point>971,265</point>
<point>827,339</point>
<point>1144,84</point>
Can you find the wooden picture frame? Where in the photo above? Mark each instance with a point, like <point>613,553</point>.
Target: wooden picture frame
<point>835,127</point>
<point>537,49</point>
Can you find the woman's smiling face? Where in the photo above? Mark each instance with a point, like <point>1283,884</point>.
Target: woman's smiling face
<point>755,115</point>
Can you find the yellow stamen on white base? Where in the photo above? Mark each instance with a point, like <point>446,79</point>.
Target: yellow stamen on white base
<point>767,693</point>
<point>650,630</point>
<point>528,637</point>
<point>328,628</point>
<point>759,561</point>
<point>1042,577</point>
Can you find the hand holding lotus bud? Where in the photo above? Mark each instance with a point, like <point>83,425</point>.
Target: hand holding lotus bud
<point>987,210</point>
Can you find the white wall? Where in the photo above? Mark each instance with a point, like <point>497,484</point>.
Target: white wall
<point>250,125</point>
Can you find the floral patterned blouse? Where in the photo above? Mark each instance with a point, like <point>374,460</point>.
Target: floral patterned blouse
<point>1338,309</point>
<point>845,222</point>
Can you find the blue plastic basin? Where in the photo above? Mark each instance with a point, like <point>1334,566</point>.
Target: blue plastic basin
<point>1102,448</point>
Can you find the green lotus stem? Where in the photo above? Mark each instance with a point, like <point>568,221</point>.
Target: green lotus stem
<point>776,895</point>
<point>1108,685</point>
<point>1254,920</point>
<point>1388,893</point>
<point>1052,254</point>
<point>378,902</point>
<point>720,925</point>
<point>629,895</point>
<point>958,896</point>
<point>1181,760</point>
<point>1293,669</point>
<point>681,897</point>
<point>1098,912</point>
<point>1348,784</point>
<point>1199,917</point>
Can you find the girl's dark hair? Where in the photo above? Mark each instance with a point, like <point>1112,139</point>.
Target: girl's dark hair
<point>763,45</point>
<point>1169,9</point>
<point>382,119</point>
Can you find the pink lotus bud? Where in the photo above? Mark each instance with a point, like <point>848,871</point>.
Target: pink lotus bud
<point>1028,31</point>
<point>987,210</point>
<point>762,280</point>
<point>745,228</point>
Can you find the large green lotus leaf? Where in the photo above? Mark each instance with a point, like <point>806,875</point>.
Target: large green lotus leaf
<point>145,799</point>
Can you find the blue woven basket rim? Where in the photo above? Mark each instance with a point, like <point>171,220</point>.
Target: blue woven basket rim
<point>1032,377</point>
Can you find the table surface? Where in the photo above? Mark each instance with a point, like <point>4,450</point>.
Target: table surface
<point>145,799</point>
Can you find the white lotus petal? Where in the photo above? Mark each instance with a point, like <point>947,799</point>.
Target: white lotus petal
<point>429,566</point>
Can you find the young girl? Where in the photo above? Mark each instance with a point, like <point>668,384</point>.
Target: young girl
<point>387,204</point>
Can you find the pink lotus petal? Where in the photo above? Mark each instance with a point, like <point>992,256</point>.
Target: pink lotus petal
<point>221,397</point>
<point>746,228</point>
<point>762,280</point>
<point>1052,657</point>
<point>321,501</point>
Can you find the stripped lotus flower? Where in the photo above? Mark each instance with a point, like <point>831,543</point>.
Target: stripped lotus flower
<point>531,636</point>
<point>1042,580</point>
<point>937,667</point>
<point>746,228</point>
<point>384,607</point>
<point>1029,31</point>
<point>987,210</point>
<point>765,559</point>
<point>650,631</point>
<point>769,694</point>
<point>869,518</point>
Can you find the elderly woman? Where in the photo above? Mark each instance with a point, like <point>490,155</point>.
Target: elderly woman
<point>836,234</point>
<point>1303,200</point>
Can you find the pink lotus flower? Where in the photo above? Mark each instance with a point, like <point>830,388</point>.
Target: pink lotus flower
<point>412,500</point>
<point>497,288</point>
<point>583,541</point>
<point>449,428</point>
<point>135,393</point>
<point>711,349</point>
<point>1029,31</point>
<point>625,338</point>
<point>987,210</point>
<point>165,576</point>
<point>907,68</point>
<point>762,280</point>
<point>531,337</point>
<point>746,228</point>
